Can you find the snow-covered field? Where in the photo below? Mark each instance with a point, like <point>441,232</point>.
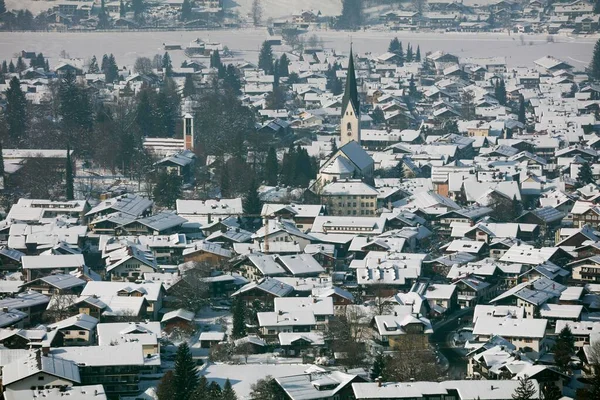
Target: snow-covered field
<point>127,46</point>
<point>285,8</point>
<point>243,376</point>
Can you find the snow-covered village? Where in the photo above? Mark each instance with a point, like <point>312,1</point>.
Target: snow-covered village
<point>298,200</point>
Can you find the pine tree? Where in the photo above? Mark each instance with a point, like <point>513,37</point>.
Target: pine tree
<point>232,80</point>
<point>239,318</point>
<point>201,391</point>
<point>21,65</point>
<point>418,54</point>
<point>189,88</point>
<point>500,92</point>
<point>186,378</point>
<point>378,367</point>
<point>594,69</point>
<point>214,390</point>
<point>352,14</point>
<point>394,46</point>
<point>597,7</point>
<point>265,58</point>
<point>70,191</point>
<point>2,7</point>
<point>409,53</point>
<point>93,69</point>
<point>39,61</point>
<point>551,392</point>
<point>16,109</point>
<point>521,115</point>
<point>228,393</point>
<point>167,65</point>
<point>111,70</point>
<point>122,9</point>
<point>526,389</point>
<point>378,116</point>
<point>412,88</point>
<point>252,203</point>
<point>284,63</point>
<point>144,113</point>
<point>11,67</point>
<point>138,7</point>
<point>4,68</point>
<point>516,208</point>
<point>167,189</point>
<point>400,170</point>
<point>215,60</point>
<point>225,183</point>
<point>186,10</point>
<point>585,175</point>
<point>166,387</point>
<point>400,54</point>
<point>47,66</point>
<point>1,163</point>
<point>271,167</point>
<point>104,65</point>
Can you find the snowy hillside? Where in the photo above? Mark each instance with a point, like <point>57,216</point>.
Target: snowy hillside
<point>284,8</point>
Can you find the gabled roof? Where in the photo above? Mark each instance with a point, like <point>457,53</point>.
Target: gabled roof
<point>35,363</point>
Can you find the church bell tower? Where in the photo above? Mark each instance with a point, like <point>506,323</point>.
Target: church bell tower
<point>350,126</point>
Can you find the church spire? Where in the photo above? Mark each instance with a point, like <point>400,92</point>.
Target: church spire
<point>351,92</point>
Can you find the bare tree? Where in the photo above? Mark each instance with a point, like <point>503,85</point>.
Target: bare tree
<point>418,6</point>
<point>411,361</point>
<point>256,12</point>
<point>61,306</point>
<point>380,304</point>
<point>143,65</point>
<point>348,333</point>
<point>192,291</point>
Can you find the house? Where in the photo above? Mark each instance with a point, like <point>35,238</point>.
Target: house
<point>40,371</point>
<point>265,290</point>
<point>44,265</point>
<point>349,161</point>
<point>56,284</point>
<point>26,306</point>
<point>303,215</point>
<point>205,212</point>
<point>349,197</point>
<point>79,330</point>
<point>130,205</point>
<point>524,333</point>
<point>178,319</point>
<point>181,164</point>
<point>129,263</point>
<point>319,383</point>
<point>126,362</point>
<point>145,333</point>
<point>86,392</point>
<point>396,330</point>
<point>206,252</point>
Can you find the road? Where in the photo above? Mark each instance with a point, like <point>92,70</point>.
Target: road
<point>442,332</point>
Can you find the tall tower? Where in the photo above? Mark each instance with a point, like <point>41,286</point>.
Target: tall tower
<point>188,132</point>
<point>350,126</point>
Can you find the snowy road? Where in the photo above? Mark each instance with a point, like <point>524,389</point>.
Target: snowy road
<point>127,46</point>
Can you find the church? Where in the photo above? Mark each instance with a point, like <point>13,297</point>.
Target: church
<point>350,160</point>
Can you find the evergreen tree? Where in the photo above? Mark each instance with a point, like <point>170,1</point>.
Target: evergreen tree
<point>394,46</point>
<point>284,64</point>
<point>228,393</point>
<point>526,389</point>
<point>521,116</point>
<point>93,69</point>
<point>585,175</point>
<point>201,391</point>
<point>418,54</point>
<point>500,92</point>
<point>334,147</point>
<point>214,390</point>
<point>225,183</point>
<point>11,67</point>
<point>186,10</point>
<point>215,60</point>
<point>516,208</point>
<point>103,17</point>
<point>189,88</point>
<point>74,105</point>
<point>352,14</point>
<point>265,58</point>
<point>111,70</point>
<point>122,9</point>
<point>1,163</point>
<point>593,391</point>
<point>378,116</point>
<point>70,191</point>
<point>104,65</point>
<point>597,7</point>
<point>166,387</point>
<point>4,68</point>
<point>252,202</point>
<point>167,189</point>
<point>239,318</point>
<point>40,61</point>
<point>138,7</point>
<point>412,88</point>
<point>21,65</point>
<point>47,66</point>
<point>232,80</point>
<point>271,167</point>
<point>2,7</point>
<point>167,65</point>
<point>400,170</point>
<point>551,392</point>
<point>186,379</point>
<point>144,113</point>
<point>378,367</point>
<point>16,109</point>
<point>400,54</point>
<point>594,69</point>
<point>409,53</point>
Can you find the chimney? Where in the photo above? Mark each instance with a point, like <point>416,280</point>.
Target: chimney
<point>45,350</point>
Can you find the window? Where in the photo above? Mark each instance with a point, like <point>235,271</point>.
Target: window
<point>40,378</point>
<point>349,126</point>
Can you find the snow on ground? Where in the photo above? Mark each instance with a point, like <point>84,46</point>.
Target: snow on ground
<point>243,376</point>
<point>127,46</point>
<point>35,6</point>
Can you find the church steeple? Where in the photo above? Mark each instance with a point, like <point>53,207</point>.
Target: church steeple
<point>350,124</point>
<point>351,91</point>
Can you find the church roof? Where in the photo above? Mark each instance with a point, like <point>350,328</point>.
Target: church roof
<point>355,153</point>
<point>339,166</point>
<point>351,92</point>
